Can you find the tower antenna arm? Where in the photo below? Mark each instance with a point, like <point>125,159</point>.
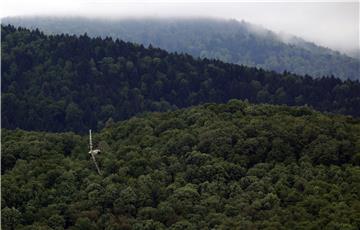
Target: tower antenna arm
<point>93,152</point>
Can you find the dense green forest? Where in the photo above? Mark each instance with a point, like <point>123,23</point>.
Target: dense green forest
<point>215,166</point>
<point>70,83</point>
<point>227,40</point>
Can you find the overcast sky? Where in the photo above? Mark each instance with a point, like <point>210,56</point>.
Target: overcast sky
<point>334,24</point>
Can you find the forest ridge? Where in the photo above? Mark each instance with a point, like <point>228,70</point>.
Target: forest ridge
<point>73,83</point>
<point>226,40</point>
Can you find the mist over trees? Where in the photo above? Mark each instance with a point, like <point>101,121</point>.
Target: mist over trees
<point>229,41</point>
<point>73,83</point>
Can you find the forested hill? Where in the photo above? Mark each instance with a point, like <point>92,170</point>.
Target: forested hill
<point>207,167</point>
<point>227,40</point>
<point>63,82</point>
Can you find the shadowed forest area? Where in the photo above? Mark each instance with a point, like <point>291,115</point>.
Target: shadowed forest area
<point>68,83</point>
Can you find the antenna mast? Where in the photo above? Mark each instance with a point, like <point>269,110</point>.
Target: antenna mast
<point>93,153</point>
<point>90,140</point>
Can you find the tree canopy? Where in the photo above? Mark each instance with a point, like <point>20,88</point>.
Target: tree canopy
<point>215,166</point>
<point>73,83</point>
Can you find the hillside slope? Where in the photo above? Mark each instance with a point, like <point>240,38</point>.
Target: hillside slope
<point>226,40</point>
<point>69,83</point>
<point>207,167</point>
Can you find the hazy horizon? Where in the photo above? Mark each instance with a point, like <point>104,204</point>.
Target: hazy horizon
<point>330,24</point>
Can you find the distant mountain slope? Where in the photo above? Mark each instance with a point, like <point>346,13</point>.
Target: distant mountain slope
<point>229,41</point>
<point>63,82</point>
<point>208,167</point>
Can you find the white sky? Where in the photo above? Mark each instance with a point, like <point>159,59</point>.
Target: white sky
<point>330,23</point>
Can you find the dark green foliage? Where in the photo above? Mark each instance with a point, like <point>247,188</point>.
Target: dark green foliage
<point>68,83</point>
<point>209,167</point>
<point>226,40</point>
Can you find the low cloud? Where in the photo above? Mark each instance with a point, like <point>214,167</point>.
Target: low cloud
<point>330,24</point>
